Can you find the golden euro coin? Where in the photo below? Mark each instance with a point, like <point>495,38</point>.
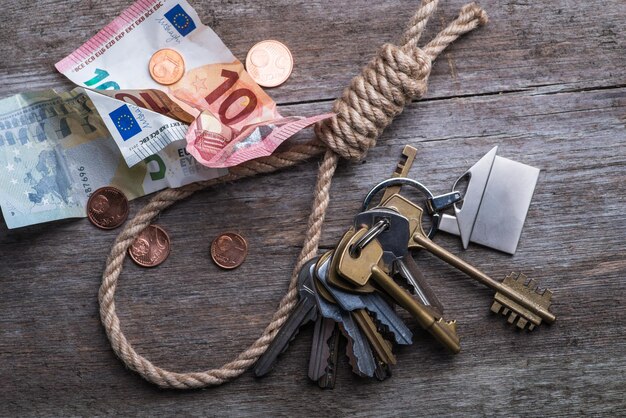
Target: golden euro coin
<point>166,66</point>
<point>269,63</point>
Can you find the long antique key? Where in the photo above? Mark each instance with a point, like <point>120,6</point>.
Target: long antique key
<point>514,297</point>
<point>304,312</point>
<point>402,170</point>
<point>359,269</point>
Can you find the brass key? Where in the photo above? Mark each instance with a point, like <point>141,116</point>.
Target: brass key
<point>402,170</point>
<point>406,264</point>
<point>381,347</point>
<point>364,266</point>
<point>333,277</point>
<point>514,297</point>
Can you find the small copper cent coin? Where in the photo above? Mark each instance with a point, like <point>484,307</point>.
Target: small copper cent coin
<point>166,66</point>
<point>151,247</point>
<point>107,208</point>
<point>269,63</point>
<point>229,250</point>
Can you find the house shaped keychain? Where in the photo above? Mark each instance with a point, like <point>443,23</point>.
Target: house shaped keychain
<point>495,203</point>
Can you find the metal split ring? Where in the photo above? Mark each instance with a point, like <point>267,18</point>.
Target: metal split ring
<point>404,181</point>
<point>372,233</point>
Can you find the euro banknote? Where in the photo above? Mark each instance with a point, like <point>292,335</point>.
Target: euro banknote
<point>55,150</point>
<point>116,62</point>
<point>212,143</point>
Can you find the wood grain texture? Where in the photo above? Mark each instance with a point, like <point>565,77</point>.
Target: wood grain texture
<point>546,81</point>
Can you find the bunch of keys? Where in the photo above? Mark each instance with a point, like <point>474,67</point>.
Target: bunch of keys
<point>350,292</point>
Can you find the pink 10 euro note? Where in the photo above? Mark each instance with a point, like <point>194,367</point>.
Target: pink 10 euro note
<point>215,94</point>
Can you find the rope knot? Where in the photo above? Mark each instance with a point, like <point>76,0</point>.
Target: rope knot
<point>397,75</point>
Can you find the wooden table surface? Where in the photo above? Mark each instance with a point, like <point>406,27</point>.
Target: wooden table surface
<point>544,80</point>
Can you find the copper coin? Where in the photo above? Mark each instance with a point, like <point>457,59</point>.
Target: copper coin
<point>229,250</point>
<point>151,247</point>
<point>269,63</point>
<point>107,208</point>
<point>166,66</point>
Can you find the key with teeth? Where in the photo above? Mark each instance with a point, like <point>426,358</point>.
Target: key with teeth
<point>361,359</point>
<point>324,352</point>
<point>304,312</point>
<point>327,381</point>
<point>373,302</point>
<point>380,346</point>
<point>521,301</point>
<point>408,270</point>
<point>402,170</point>
<point>360,268</point>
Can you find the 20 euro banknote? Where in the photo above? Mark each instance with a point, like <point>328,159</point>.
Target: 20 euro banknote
<point>55,151</point>
<point>116,62</point>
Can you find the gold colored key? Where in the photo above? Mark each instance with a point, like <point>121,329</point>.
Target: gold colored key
<point>381,347</point>
<point>360,269</point>
<point>402,170</point>
<point>514,297</point>
<point>335,279</point>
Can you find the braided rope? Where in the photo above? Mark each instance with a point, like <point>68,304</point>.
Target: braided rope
<point>397,75</point>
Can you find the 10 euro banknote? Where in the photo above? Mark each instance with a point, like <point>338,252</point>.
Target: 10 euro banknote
<point>137,109</point>
<point>55,150</point>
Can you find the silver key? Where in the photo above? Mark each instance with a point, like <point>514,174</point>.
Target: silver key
<point>373,302</point>
<point>407,268</point>
<point>364,359</point>
<point>394,239</point>
<point>304,312</point>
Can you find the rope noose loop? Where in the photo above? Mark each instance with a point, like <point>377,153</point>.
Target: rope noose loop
<point>397,75</point>
<point>374,98</point>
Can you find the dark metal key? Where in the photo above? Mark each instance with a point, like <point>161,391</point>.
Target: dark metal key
<point>320,348</point>
<point>304,312</point>
<point>327,381</point>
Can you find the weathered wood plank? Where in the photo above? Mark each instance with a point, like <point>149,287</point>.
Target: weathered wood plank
<point>188,315</point>
<point>562,64</point>
<point>545,46</point>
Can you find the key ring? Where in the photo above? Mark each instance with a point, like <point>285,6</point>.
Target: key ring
<point>373,232</point>
<point>404,181</point>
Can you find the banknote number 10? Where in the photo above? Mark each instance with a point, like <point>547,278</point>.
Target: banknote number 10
<point>231,78</point>
<point>101,75</point>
